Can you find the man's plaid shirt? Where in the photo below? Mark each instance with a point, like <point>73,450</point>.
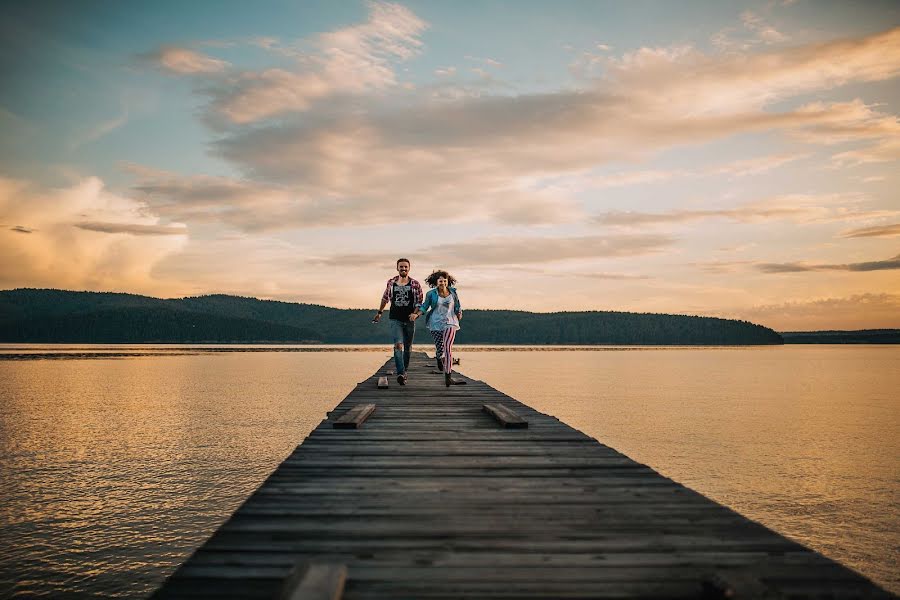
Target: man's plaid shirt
<point>414,285</point>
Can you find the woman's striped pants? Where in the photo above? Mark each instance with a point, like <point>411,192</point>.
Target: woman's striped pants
<point>443,346</point>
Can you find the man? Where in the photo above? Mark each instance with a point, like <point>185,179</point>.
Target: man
<point>405,295</point>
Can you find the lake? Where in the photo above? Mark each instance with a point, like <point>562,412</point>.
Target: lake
<point>118,461</point>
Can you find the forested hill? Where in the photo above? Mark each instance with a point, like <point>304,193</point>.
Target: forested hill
<point>32,315</point>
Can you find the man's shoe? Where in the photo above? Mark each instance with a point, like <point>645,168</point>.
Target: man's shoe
<point>447,380</point>
<point>401,379</point>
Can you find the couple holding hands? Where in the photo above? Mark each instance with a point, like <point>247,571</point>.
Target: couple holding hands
<point>440,306</point>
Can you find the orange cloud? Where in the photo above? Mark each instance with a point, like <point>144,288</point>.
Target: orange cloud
<point>892,230</point>
<point>113,253</point>
<point>183,61</point>
<point>860,311</point>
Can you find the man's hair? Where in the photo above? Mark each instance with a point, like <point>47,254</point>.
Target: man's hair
<point>406,260</point>
<point>431,280</point>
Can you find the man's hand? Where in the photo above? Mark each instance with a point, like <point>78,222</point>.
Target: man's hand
<point>413,316</point>
<point>377,317</point>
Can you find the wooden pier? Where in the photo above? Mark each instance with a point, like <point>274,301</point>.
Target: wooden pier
<point>429,496</point>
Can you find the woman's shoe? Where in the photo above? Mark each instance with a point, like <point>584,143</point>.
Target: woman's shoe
<point>447,380</point>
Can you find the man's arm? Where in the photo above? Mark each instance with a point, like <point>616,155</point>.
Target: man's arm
<point>421,309</point>
<point>419,297</point>
<point>385,298</point>
<point>380,312</point>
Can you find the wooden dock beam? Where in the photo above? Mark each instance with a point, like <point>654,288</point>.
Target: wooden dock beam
<point>432,500</point>
<point>355,417</point>
<point>505,416</point>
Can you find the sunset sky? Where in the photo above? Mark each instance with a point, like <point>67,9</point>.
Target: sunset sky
<point>735,159</point>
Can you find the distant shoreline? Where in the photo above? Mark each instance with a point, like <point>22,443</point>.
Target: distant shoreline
<point>861,336</point>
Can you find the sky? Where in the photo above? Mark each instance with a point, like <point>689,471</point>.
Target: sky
<point>731,159</point>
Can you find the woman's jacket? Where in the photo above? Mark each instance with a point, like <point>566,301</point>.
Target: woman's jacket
<point>431,299</point>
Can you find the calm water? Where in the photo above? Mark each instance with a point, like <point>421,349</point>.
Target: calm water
<point>117,462</point>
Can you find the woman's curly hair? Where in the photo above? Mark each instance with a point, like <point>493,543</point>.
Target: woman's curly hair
<point>431,280</point>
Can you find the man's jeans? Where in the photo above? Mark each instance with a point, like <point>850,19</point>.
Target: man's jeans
<point>402,332</point>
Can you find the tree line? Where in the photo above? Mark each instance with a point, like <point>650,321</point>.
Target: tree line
<point>46,315</point>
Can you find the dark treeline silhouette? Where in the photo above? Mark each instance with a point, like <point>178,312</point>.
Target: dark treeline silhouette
<point>33,315</point>
<point>862,336</point>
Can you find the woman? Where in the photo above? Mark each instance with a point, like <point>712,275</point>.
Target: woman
<point>444,313</point>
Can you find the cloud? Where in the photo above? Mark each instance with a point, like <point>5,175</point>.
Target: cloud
<point>60,254</point>
<point>875,231</point>
<point>756,31</point>
<point>544,250</point>
<point>738,168</point>
<point>524,251</point>
<point>854,121</point>
<point>101,129</point>
<point>613,276</point>
<point>349,61</point>
<point>132,228</point>
<point>887,150</point>
<point>688,80</point>
<point>485,149</point>
<point>765,32</point>
<point>860,311</point>
<point>742,215</point>
<point>737,247</point>
<point>21,229</point>
<point>754,166</point>
<point>796,207</point>
<point>183,61</point>
<point>719,267</point>
<point>487,61</point>
<point>339,191</point>
<point>841,122</point>
<point>797,267</point>
<point>402,151</point>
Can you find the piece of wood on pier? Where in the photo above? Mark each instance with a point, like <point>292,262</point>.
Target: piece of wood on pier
<point>314,582</point>
<point>355,417</point>
<point>505,416</point>
<point>383,383</point>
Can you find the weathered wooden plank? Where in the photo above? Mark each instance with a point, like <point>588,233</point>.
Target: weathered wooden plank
<point>632,545</point>
<point>383,383</point>
<point>312,581</point>
<point>742,581</point>
<point>399,558</point>
<point>505,416</point>
<point>355,417</point>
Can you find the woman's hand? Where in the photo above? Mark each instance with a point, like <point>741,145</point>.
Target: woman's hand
<point>413,316</point>
<point>459,316</point>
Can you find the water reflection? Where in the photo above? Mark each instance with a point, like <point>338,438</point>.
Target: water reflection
<point>115,470</point>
